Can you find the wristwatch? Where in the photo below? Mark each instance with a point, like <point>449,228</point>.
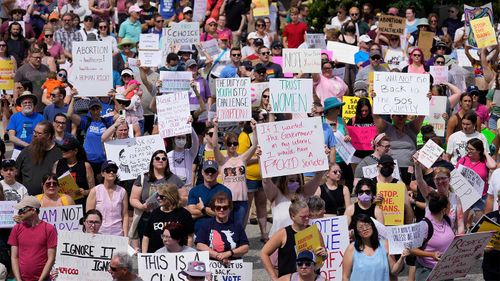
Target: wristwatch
<point>204,210</point>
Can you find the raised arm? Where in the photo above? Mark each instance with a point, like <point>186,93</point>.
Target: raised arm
<point>218,155</point>
<point>195,143</point>
<point>311,186</point>
<point>247,155</point>
<point>421,184</point>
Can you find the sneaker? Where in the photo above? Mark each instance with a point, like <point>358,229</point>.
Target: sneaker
<point>253,221</point>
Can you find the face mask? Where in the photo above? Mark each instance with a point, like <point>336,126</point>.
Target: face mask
<point>386,171</point>
<point>180,143</point>
<point>171,68</point>
<point>293,186</point>
<point>364,198</point>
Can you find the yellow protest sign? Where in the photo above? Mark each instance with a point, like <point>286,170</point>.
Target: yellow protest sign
<point>487,225</point>
<point>483,32</point>
<point>69,186</point>
<point>309,239</point>
<point>394,202</point>
<point>349,108</point>
<point>261,8</point>
<point>6,75</point>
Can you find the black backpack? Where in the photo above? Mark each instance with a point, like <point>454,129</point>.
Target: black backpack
<point>430,230</point>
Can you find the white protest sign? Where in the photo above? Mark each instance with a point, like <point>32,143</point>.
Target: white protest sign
<point>429,153</point>
<point>460,256</point>
<point>342,52</point>
<point>173,114</point>
<point>292,147</point>
<point>404,236</point>
<point>175,81</point>
<point>63,218</point>
<point>211,47</point>
<point>496,97</point>
<point>302,60</point>
<point>150,58</point>
<point>472,177</point>
<point>7,213</point>
<point>182,33</point>
<point>336,237</point>
<point>344,149</point>
<point>371,171</point>
<point>133,154</point>
<point>92,71</point>
<point>465,191</point>
<point>462,58</point>
<point>316,41</point>
<point>436,109</point>
<point>149,41</point>
<point>439,74</point>
<point>168,266</point>
<point>82,256</point>
<point>234,101</point>
<point>235,270</point>
<point>257,89</point>
<point>199,10</point>
<point>401,93</point>
<point>291,95</point>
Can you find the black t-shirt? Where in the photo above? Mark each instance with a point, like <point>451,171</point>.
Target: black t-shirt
<point>491,258</point>
<point>234,10</point>
<point>147,14</point>
<point>222,237</point>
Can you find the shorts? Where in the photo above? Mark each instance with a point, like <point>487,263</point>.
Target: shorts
<point>480,204</point>
<point>254,185</point>
<point>492,122</point>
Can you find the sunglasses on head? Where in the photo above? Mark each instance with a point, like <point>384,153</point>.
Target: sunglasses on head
<point>234,143</point>
<point>158,158</point>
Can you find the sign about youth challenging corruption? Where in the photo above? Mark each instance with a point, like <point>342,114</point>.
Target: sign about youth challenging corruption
<point>435,118</point>
<point>234,101</point>
<point>394,202</point>
<point>235,271</point>
<point>175,81</point>
<point>173,114</point>
<point>391,24</point>
<point>336,238</point>
<point>401,93</point>
<point>465,191</point>
<point>92,71</point>
<point>302,60</point>
<point>471,13</point>
<point>133,155</point>
<point>7,213</point>
<point>460,256</point>
<point>83,256</point>
<point>292,147</point>
<point>168,266</point>
<point>290,95</point>
<point>65,218</point>
<point>182,33</point>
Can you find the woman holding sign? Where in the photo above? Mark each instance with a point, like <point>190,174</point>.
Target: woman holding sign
<point>326,84</point>
<point>50,196</point>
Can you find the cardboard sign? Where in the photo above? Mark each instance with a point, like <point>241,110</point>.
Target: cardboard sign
<point>429,153</point>
<point>182,33</point>
<point>425,40</point>
<point>391,24</point>
<point>342,52</point>
<point>256,91</point>
<point>168,266</point>
<point>211,47</point>
<point>471,13</point>
<point>292,147</point>
<point>343,148</point>
<point>483,32</point>
<point>7,213</point>
<point>439,74</point>
<point>316,41</point>
<point>6,75</point>
<point>336,238</point>
<point>435,118</point>
<point>173,114</point>
<point>394,202</point>
<point>69,186</point>
<point>82,256</point>
<point>371,171</point>
<point>291,95</point>
<point>261,8</point>
<point>149,41</point>
<point>472,177</point>
<point>486,224</point>
<point>234,101</point>
<point>401,93</point>
<point>199,10</point>
<point>361,137</point>
<point>460,256</point>
<point>302,60</point>
<point>465,191</point>
<point>175,81</point>
<point>235,270</point>
<point>92,71</point>
<point>150,58</point>
<point>65,218</point>
<point>133,154</point>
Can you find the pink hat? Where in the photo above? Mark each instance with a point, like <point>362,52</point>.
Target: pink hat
<point>134,8</point>
<point>209,21</point>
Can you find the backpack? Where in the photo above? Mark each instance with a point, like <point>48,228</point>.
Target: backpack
<point>430,230</point>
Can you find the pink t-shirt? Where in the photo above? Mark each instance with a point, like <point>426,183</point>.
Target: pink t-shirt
<point>56,50</point>
<point>483,112</point>
<point>334,87</point>
<point>441,238</point>
<point>233,177</point>
<point>479,167</point>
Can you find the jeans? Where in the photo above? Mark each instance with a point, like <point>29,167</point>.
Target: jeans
<point>240,209</point>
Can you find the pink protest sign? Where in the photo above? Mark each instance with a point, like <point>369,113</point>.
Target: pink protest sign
<point>361,137</point>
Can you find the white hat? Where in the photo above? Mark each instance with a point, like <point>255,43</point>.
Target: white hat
<point>252,35</point>
<point>365,38</point>
<point>187,9</point>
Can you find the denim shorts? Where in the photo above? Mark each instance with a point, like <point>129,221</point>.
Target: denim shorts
<point>480,204</point>
<point>254,185</point>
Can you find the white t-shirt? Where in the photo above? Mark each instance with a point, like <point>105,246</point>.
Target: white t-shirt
<point>457,144</point>
<point>14,192</point>
<point>494,187</point>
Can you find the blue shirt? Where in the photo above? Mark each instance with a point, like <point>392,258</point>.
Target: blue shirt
<point>167,8</point>
<point>361,56</point>
<point>92,144</point>
<point>206,194</point>
<point>24,126</point>
<point>130,30</point>
<point>229,71</point>
<point>50,112</point>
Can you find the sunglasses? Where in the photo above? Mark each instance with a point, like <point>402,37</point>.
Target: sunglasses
<point>3,45</point>
<point>53,95</point>
<point>441,48</point>
<point>51,183</point>
<point>23,210</point>
<point>265,53</point>
<point>278,47</point>
<point>337,172</point>
<point>62,75</point>
<point>367,192</point>
<point>417,55</point>
<point>158,158</point>
<point>234,143</point>
<point>260,25</point>
<point>210,134</point>
<point>110,170</point>
<point>159,21</point>
<point>302,263</point>
<point>210,171</point>
<point>114,269</point>
<point>161,197</point>
<point>103,27</point>
<point>375,58</point>
<point>354,15</point>
<point>236,55</point>
<point>49,35</point>
<point>265,96</point>
<point>222,208</point>
<point>440,62</point>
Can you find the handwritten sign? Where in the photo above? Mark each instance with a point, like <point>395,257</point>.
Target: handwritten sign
<point>7,213</point>
<point>199,10</point>
<point>82,256</point>
<point>391,24</point>
<point>471,13</point>
<point>6,75</point>
<point>460,256</point>
<point>342,52</point>
<point>343,148</point>
<point>168,266</point>
<point>175,81</point>
<point>261,8</point>
<point>211,47</point>
<point>149,41</point>
<point>486,224</point>
<point>133,154</point>
<point>462,58</point>
<point>279,60</point>
<point>336,238</point>
<point>256,91</point>
<point>429,153</point>
<point>150,58</point>
<point>182,33</point>
<point>435,118</point>
<point>425,40</point>
<point>439,74</point>
<point>291,95</point>
<point>371,171</point>
<point>349,108</point>
<point>234,101</point>
<point>173,114</point>
<point>235,270</point>
<point>316,41</point>
<point>291,147</point>
<point>472,177</point>
<point>361,137</point>
<point>401,93</point>
<point>92,70</point>
<point>302,60</point>
<point>483,32</point>
<point>465,191</point>
<point>404,236</point>
<point>63,218</point>
<point>394,202</point>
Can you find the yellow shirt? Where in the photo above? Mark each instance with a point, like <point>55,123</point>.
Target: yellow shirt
<point>253,170</point>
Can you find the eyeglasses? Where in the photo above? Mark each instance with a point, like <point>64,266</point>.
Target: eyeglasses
<point>93,222</point>
<point>363,227</point>
<point>440,62</point>
<point>265,53</point>
<point>53,95</point>
<point>385,146</point>
<point>110,170</point>
<point>367,192</point>
<point>304,263</point>
<point>23,210</point>
<point>161,197</point>
<point>222,208</point>
<point>375,58</point>
<point>51,183</point>
<point>49,35</point>
<point>234,143</point>
<point>165,237</point>
<point>158,158</point>
<point>62,75</point>
<point>265,96</point>
<point>236,55</point>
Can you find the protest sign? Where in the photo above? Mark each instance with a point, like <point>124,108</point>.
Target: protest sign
<point>6,75</point>
<point>391,24</point>
<point>472,177</point>
<point>7,213</point>
<point>199,10</point>
<point>439,74</point>
<point>290,95</point>
<point>211,47</point>
<point>133,154</point>
<point>404,236</point>
<point>235,270</point>
<point>496,97</point>
<point>486,224</point>
<point>429,153</point>
<point>465,191</point>
<point>302,60</point>
<point>68,185</point>
<point>437,107</point>
<point>182,33</point>
<point>168,266</point>
<point>308,239</point>
<point>471,13</point>
<point>261,8</point>
<point>336,238</point>
<point>361,137</point>
<point>316,41</point>
<point>342,52</point>
<point>175,81</point>
<point>149,41</point>
<point>65,218</point>
<point>150,58</point>
<point>462,58</point>
<point>483,32</point>
<point>92,70</point>
<point>173,114</point>
<point>394,202</point>
<point>425,40</point>
<point>292,147</point>
<point>401,93</point>
<point>234,101</point>
<point>343,148</point>
<point>82,256</point>
<point>460,256</point>
<point>279,60</point>
<point>256,91</point>
<point>395,59</point>
<point>349,108</point>
<point>371,171</point>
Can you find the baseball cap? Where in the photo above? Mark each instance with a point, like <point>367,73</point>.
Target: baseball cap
<point>210,164</point>
<point>306,256</point>
<point>196,269</point>
<point>28,201</point>
<point>69,144</point>
<point>472,89</point>
<point>386,159</point>
<point>134,8</point>
<point>8,163</point>
<point>94,102</point>
<point>107,164</point>
<point>276,44</point>
<point>260,68</point>
<point>190,62</point>
<point>187,9</point>
<point>365,38</point>
<point>127,71</point>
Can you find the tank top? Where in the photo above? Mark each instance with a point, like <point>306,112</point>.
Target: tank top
<point>111,209</point>
<point>376,266</point>
<point>286,254</point>
<point>458,127</point>
<point>334,199</point>
<point>357,210</point>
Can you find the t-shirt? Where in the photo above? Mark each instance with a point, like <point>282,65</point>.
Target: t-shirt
<point>185,249</point>
<point>234,10</point>
<point>457,144</point>
<point>494,187</point>
<point>130,30</point>
<point>206,194</point>
<point>24,126</point>
<point>233,176</point>
<point>93,144</point>
<point>367,161</point>
<point>180,164</point>
<point>50,111</point>
<point>361,56</point>
<point>490,96</point>
<point>402,146</point>
<point>253,170</point>
<point>33,243</point>
<point>222,237</point>
<point>330,87</point>
<point>30,174</point>
<point>157,222</point>
<point>295,34</point>
<point>441,238</point>
<point>14,192</point>
<point>479,167</point>
<point>167,8</point>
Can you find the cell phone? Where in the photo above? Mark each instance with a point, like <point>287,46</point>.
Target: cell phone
<point>122,113</point>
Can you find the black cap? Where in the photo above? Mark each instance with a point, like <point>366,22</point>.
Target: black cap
<point>258,42</point>
<point>69,144</point>
<point>94,102</point>
<point>210,164</point>
<point>386,159</point>
<point>276,44</point>
<point>108,164</point>
<point>8,163</point>
<point>247,64</point>
<point>260,68</point>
